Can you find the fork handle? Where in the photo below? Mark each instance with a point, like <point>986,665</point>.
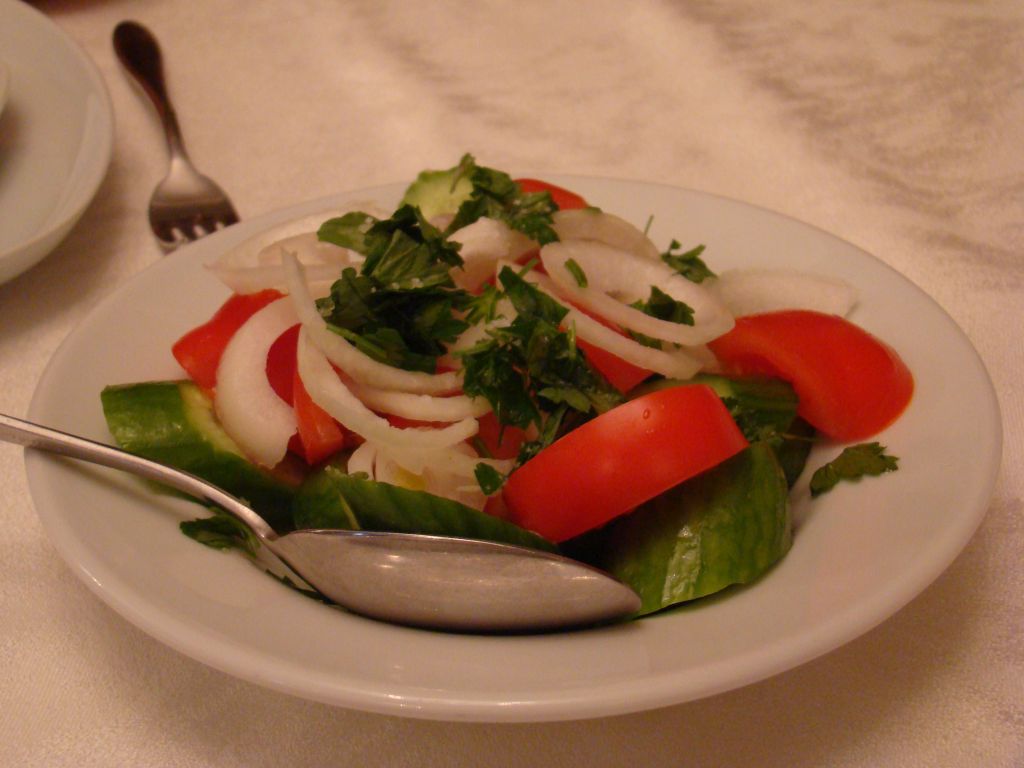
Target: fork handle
<point>139,52</point>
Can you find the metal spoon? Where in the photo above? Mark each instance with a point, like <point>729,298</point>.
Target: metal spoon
<point>414,579</point>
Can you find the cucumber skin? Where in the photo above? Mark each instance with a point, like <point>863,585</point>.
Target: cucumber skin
<point>726,526</point>
<point>330,498</point>
<point>438,192</point>
<point>172,422</point>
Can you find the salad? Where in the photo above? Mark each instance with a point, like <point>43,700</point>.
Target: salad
<point>497,358</point>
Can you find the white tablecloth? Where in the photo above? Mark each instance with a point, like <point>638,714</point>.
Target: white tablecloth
<point>897,125</point>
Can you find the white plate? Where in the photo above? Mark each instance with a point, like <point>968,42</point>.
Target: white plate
<point>56,136</point>
<point>860,553</point>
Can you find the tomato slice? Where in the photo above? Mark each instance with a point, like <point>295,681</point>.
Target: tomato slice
<point>563,198</point>
<point>199,350</point>
<point>319,435</point>
<point>499,442</point>
<point>851,385</point>
<point>620,373</point>
<point>620,459</point>
<point>281,364</point>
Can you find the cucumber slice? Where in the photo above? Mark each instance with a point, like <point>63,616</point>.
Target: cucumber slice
<point>438,192</point>
<point>173,422</point>
<point>727,526</point>
<point>330,498</point>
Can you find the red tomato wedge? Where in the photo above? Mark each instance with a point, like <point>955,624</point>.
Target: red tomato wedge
<point>319,435</point>
<point>620,459</point>
<point>199,350</point>
<point>499,442</point>
<point>563,198</point>
<point>851,385</point>
<point>620,373</point>
<point>281,364</point>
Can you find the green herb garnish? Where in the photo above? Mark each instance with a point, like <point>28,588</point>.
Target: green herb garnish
<point>855,462</point>
<point>400,307</point>
<point>488,478</point>
<point>574,269</point>
<point>497,196</point>
<point>687,263</point>
<point>661,306</point>
<point>531,371</point>
<point>222,531</point>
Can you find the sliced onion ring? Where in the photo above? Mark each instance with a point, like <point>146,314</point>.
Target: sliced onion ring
<point>420,407</point>
<point>449,473</point>
<point>601,227</point>
<point>610,272</point>
<point>246,405</point>
<point>483,243</point>
<point>751,291</point>
<point>354,363</point>
<point>329,392</point>
<point>677,364</point>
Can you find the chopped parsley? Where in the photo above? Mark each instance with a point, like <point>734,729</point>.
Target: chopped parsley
<point>496,195</point>
<point>661,306</point>
<point>531,371</point>
<point>687,263</point>
<point>488,478</point>
<point>855,462</point>
<point>577,272</point>
<point>400,307</point>
<point>222,531</point>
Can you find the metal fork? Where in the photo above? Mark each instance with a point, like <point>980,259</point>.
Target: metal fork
<point>186,205</point>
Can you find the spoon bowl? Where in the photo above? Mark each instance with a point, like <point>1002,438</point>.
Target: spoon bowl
<point>438,582</point>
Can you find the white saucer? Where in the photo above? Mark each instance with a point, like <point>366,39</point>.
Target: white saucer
<point>56,135</point>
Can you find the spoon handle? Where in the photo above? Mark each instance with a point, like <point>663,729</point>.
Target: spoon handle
<point>30,435</point>
<point>139,52</point>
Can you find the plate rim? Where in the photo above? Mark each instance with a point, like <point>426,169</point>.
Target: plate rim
<point>564,706</point>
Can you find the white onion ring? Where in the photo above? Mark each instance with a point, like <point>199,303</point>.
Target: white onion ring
<point>483,243</point>
<point>323,263</point>
<point>363,459</point>
<point>354,363</point>
<point>612,271</point>
<point>676,364</point>
<point>254,264</point>
<point>601,227</point>
<point>449,473</point>
<point>255,279</point>
<point>420,407</point>
<point>751,291</point>
<point>329,392</point>
<point>246,405</point>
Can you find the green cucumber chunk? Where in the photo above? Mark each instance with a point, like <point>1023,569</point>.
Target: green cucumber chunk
<point>173,422</point>
<point>330,498</point>
<point>726,526</point>
<point>438,192</point>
